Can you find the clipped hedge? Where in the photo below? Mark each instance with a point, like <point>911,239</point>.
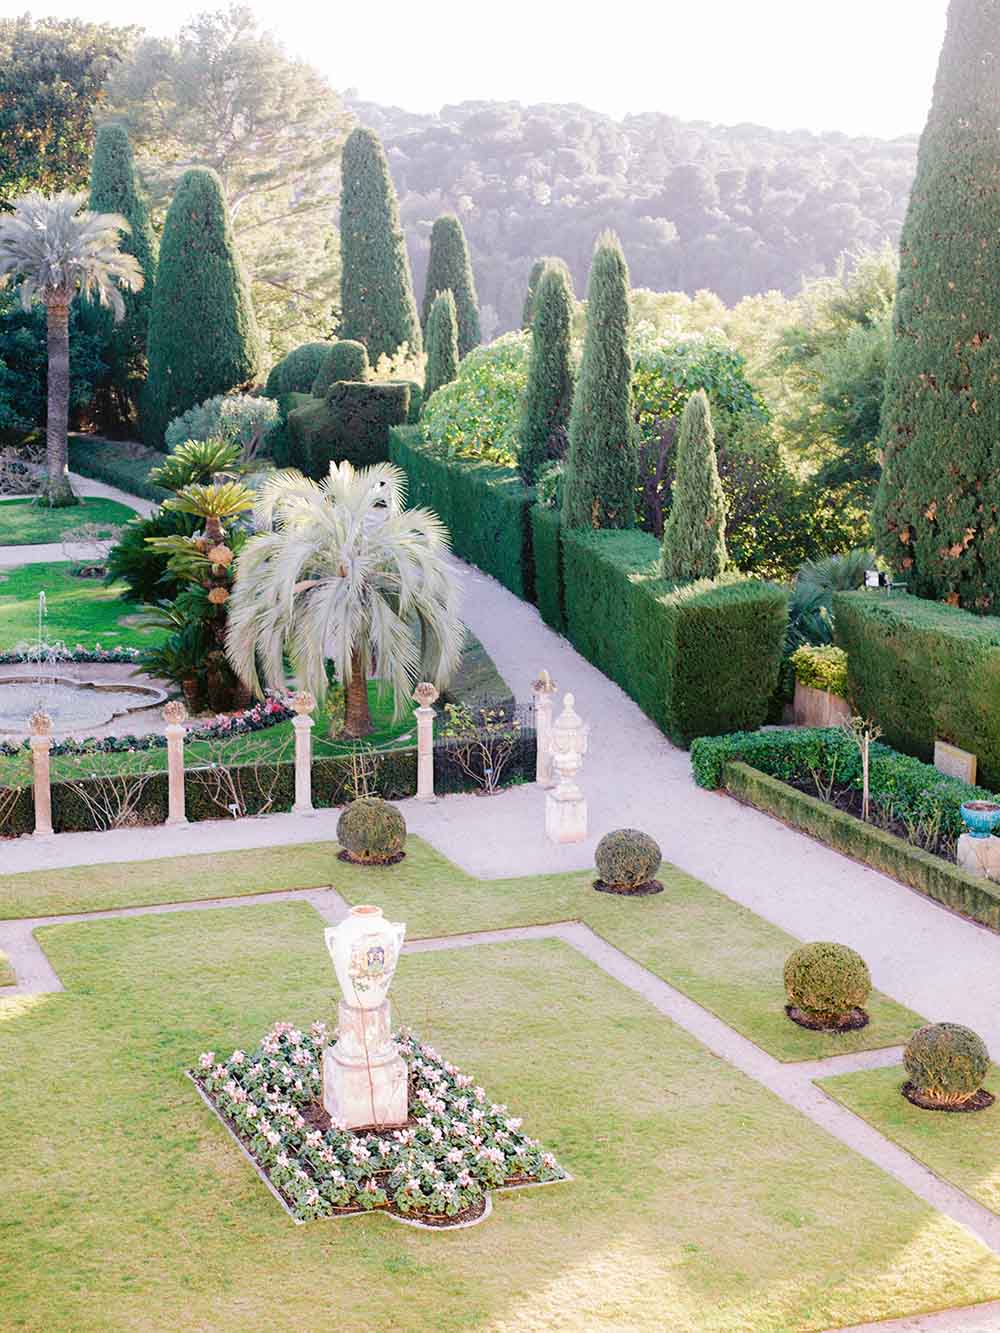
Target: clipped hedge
<point>821,668</point>
<point>700,659</point>
<point>928,874</point>
<point>486,508</point>
<point>924,670</point>
<point>115,464</point>
<point>351,423</point>
<point>477,682</point>
<point>546,543</point>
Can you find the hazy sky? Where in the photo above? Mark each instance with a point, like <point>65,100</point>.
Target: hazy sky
<point>861,66</point>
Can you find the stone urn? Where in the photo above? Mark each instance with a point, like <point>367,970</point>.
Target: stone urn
<point>365,950</point>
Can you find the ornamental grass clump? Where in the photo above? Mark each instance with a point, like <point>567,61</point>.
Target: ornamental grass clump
<point>627,860</point>
<point>372,832</point>
<point>827,985</point>
<point>946,1064</point>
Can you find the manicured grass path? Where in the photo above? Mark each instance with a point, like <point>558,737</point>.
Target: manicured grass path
<point>700,1201</point>
<point>24,523</point>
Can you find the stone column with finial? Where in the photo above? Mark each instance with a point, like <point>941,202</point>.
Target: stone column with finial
<point>426,696</point>
<point>566,805</point>
<point>543,688</point>
<point>40,726</point>
<point>303,703</point>
<point>175,715</point>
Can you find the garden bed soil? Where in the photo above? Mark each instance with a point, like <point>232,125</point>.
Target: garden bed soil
<point>344,855</point>
<point>640,890</point>
<point>850,801</point>
<point>979,1101</point>
<point>851,1022</point>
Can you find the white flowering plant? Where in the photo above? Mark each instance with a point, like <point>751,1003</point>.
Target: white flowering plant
<point>455,1147</point>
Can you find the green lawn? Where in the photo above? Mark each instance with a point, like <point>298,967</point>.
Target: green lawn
<point>24,523</point>
<point>700,1201</point>
<point>962,1148</point>
<point>7,977</point>
<point>716,951</point>
<point>80,611</point>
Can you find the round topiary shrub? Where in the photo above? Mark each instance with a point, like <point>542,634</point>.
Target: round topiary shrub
<point>627,860</point>
<point>827,986</point>
<point>345,360</point>
<point>296,372</point>
<point>946,1064</point>
<point>371,832</point>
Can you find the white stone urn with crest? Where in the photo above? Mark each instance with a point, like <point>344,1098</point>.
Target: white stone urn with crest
<point>365,1078</point>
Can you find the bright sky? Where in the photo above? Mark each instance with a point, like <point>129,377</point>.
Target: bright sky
<point>861,66</point>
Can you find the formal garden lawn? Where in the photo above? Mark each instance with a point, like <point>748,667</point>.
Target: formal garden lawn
<point>110,1157</point>
<point>79,611</point>
<point>7,977</point>
<point>25,523</point>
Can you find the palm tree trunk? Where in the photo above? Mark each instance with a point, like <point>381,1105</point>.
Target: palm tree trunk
<point>357,715</point>
<point>58,492</point>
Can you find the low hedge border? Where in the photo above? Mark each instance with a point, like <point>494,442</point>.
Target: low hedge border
<point>928,874</point>
<point>108,461</point>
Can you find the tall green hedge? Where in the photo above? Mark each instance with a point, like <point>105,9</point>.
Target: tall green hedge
<point>350,424</point>
<point>485,508</point>
<point>923,670</point>
<point>701,659</point>
<point>546,543</point>
<point>449,268</point>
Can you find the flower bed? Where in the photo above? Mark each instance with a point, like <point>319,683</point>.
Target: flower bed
<point>438,1168</point>
<point>60,653</point>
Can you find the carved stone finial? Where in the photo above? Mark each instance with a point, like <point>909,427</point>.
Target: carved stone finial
<point>425,694</point>
<point>40,724</point>
<point>302,702</point>
<point>174,713</point>
<point>544,684</point>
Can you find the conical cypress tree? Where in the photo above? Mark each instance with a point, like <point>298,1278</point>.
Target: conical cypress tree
<point>601,462</point>
<point>549,395</point>
<point>449,268</point>
<point>203,336</point>
<point>115,188</point>
<point>694,537</point>
<point>442,343</point>
<point>537,269</point>
<point>938,504</point>
<point>377,303</point>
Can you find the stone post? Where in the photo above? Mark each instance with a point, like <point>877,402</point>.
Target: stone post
<point>40,726</point>
<point>544,688</point>
<point>566,806</point>
<point>175,715</point>
<point>303,703</point>
<point>425,695</point>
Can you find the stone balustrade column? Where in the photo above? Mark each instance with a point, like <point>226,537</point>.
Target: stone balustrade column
<point>40,726</point>
<point>303,703</point>
<point>175,715</point>
<point>425,694</point>
<point>543,688</point>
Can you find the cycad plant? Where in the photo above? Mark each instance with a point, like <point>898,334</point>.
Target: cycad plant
<point>346,575</point>
<point>55,251</point>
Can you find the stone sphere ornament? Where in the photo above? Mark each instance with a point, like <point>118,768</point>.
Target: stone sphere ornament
<point>174,713</point>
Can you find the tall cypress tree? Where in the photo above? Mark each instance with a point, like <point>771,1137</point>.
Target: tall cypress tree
<point>377,303</point>
<point>694,538</point>
<point>203,336</point>
<point>549,395</point>
<point>601,463</point>
<point>937,513</point>
<point>537,269</point>
<point>449,268</point>
<point>115,188</point>
<point>442,343</point>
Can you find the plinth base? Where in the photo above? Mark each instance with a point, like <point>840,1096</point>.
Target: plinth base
<point>565,819</point>
<point>365,1079</point>
<point>979,856</point>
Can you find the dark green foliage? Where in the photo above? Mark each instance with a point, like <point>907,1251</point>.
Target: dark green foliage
<point>627,858</point>
<point>935,514</point>
<point>549,395</point>
<point>345,360</point>
<point>946,1063</point>
<point>442,343</point>
<point>142,569</point>
<point>203,336</point>
<point>24,363</point>
<point>124,465</point>
<point>601,464</point>
<point>478,684</point>
<point>923,671</point>
<point>416,400</point>
<point>371,831</point>
<point>115,188</point>
<point>296,372</point>
<point>827,981</point>
<point>694,537</point>
<point>537,269</point>
<point>700,660</point>
<point>485,508</point>
<point>351,423</point>
<point>377,302</point>
<point>450,269</point>
<point>546,541</point>
<point>279,442</point>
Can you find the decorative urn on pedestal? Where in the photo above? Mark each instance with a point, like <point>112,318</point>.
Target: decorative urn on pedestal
<point>364,1076</point>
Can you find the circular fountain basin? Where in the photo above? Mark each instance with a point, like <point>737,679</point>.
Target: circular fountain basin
<point>74,706</point>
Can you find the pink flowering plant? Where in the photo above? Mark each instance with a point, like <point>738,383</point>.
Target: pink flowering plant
<point>456,1146</point>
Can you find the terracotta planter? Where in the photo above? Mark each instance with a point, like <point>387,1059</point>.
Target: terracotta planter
<point>819,708</point>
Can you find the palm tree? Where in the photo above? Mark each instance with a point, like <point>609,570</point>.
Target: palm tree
<point>347,575</point>
<point>56,251</point>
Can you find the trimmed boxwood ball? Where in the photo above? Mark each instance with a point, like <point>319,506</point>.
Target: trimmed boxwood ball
<point>296,372</point>
<point>345,360</point>
<point>827,982</point>
<point>946,1063</point>
<point>626,858</point>
<point>371,831</point>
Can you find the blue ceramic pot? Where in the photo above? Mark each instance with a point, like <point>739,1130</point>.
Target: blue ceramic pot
<point>980,817</point>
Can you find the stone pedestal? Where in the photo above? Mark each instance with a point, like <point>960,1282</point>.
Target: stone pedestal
<point>302,723</point>
<point>979,856</point>
<point>40,725</point>
<point>566,814</point>
<point>364,1076</point>
<point>426,695</point>
<point>174,715</point>
<point>544,688</point>
<point>566,806</point>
